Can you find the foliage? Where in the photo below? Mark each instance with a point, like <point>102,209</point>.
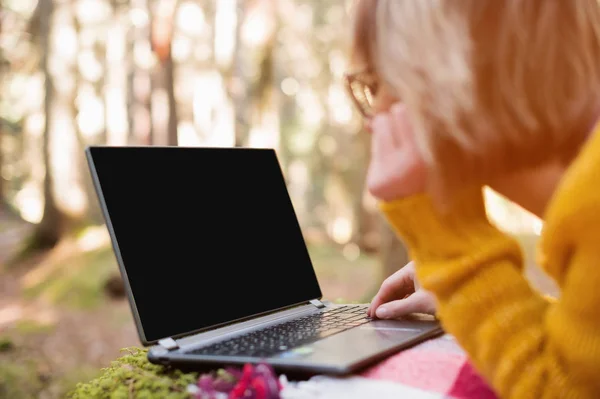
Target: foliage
<point>133,375</point>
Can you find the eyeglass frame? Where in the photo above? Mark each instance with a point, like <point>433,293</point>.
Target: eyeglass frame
<point>355,76</point>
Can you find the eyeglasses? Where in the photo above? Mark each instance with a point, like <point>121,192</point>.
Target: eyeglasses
<point>362,88</point>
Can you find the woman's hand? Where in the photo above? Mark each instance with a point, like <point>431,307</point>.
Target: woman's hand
<point>400,295</point>
<point>396,169</point>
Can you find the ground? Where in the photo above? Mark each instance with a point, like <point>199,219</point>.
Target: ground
<point>58,327</point>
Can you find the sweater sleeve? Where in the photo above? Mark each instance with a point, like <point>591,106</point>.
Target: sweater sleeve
<point>525,346</point>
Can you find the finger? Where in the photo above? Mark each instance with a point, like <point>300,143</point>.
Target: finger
<point>401,127</point>
<point>419,302</point>
<point>392,140</point>
<point>403,132</point>
<point>382,138</point>
<point>397,286</point>
<point>389,161</point>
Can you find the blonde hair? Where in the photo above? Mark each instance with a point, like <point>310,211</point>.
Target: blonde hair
<point>489,85</point>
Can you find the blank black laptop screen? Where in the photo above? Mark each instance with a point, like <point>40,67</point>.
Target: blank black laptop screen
<point>206,235</point>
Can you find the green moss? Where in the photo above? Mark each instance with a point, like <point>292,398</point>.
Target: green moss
<point>134,376</point>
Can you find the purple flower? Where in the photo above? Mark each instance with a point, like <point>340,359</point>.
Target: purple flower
<point>250,382</point>
<point>206,383</point>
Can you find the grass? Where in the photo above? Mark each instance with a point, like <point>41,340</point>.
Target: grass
<point>6,344</point>
<point>33,327</point>
<point>24,375</point>
<point>19,374</point>
<point>19,380</point>
<point>78,282</point>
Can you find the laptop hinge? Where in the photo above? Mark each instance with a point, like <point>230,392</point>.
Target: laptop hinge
<point>317,303</point>
<point>169,344</point>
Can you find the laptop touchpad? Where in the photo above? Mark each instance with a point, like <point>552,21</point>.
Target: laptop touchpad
<point>361,342</point>
<point>401,325</point>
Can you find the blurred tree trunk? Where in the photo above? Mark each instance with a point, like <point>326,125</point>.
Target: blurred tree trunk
<point>320,164</point>
<point>5,208</point>
<point>100,87</point>
<point>169,76</point>
<point>148,105</point>
<point>140,132</point>
<point>366,232</point>
<point>263,92</point>
<point>2,182</point>
<point>238,81</point>
<point>392,251</point>
<point>93,213</point>
<point>147,101</point>
<point>286,105</point>
<point>162,37</point>
<point>287,115</point>
<point>131,67</point>
<point>3,201</point>
<point>52,226</point>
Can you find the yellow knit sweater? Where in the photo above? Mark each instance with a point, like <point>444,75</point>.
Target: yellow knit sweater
<point>524,345</point>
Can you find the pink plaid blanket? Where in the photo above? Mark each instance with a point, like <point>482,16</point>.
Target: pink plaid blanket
<point>436,369</point>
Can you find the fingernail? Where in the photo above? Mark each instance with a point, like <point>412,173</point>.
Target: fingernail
<point>382,313</point>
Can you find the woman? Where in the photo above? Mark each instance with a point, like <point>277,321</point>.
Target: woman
<point>465,93</point>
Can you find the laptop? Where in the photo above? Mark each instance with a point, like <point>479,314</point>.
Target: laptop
<point>216,268</point>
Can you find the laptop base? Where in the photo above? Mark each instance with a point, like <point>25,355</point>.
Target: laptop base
<point>370,343</point>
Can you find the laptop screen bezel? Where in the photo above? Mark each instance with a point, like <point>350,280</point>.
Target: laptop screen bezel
<point>115,246</point>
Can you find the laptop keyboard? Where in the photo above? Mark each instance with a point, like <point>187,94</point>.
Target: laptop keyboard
<point>281,337</point>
